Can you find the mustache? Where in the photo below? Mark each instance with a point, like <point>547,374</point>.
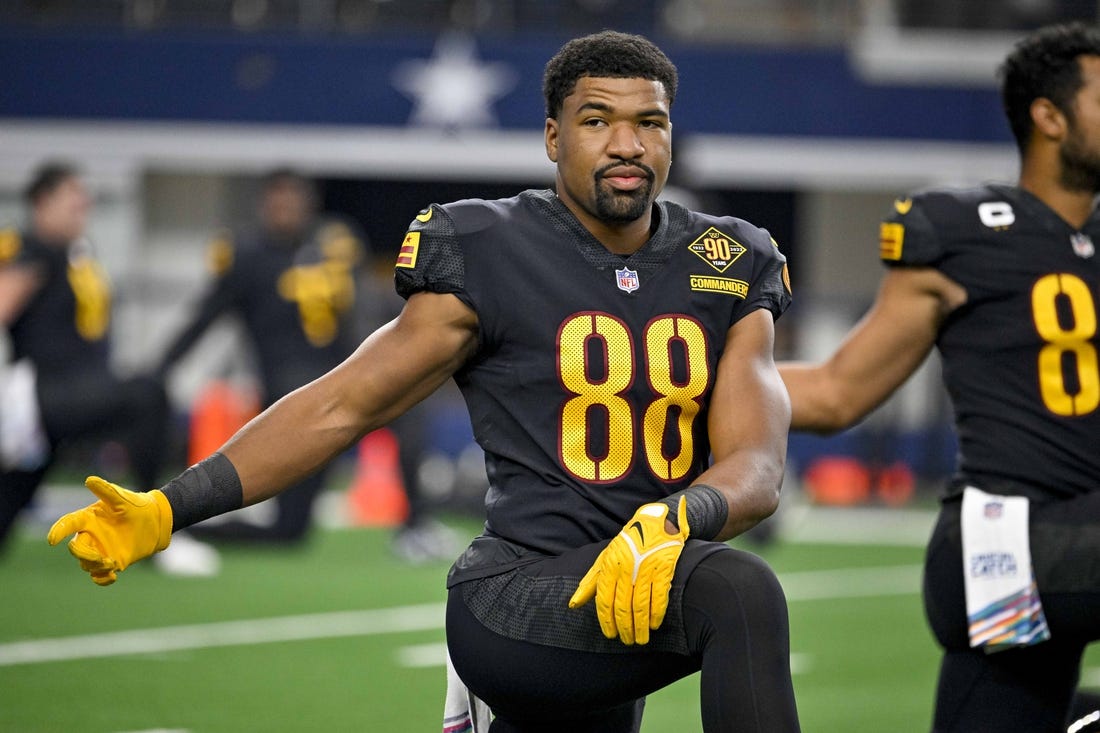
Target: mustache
<point>649,173</point>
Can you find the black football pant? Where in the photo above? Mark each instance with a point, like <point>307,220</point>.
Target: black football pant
<point>95,406</point>
<point>735,622</point>
<point>1032,688</point>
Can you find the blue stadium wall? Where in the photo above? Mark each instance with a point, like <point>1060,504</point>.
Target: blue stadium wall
<point>802,92</point>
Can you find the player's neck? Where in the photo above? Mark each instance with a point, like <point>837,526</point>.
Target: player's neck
<point>618,238</point>
<point>622,240</point>
<point>1073,205</point>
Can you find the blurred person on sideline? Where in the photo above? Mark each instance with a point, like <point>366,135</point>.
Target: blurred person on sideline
<point>615,354</point>
<point>292,279</point>
<point>1004,281</point>
<point>56,302</point>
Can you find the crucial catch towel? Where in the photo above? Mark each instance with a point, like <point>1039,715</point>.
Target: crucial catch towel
<point>1002,601</point>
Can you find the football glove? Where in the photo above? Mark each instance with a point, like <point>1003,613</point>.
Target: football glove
<point>631,578</point>
<point>115,532</point>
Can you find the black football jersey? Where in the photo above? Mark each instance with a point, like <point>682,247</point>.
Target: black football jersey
<point>65,325</point>
<point>1020,357</point>
<point>589,388</point>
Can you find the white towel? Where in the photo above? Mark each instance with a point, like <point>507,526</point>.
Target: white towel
<point>1003,607</point>
<point>23,443</point>
<point>462,711</point>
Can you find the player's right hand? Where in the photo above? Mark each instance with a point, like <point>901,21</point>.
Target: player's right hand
<point>631,578</point>
<point>115,532</point>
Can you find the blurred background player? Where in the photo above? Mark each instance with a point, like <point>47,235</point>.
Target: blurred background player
<point>55,301</point>
<point>1004,281</point>
<point>293,281</point>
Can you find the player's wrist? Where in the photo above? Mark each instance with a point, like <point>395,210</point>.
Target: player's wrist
<point>164,510</point>
<point>707,511</point>
<point>207,489</point>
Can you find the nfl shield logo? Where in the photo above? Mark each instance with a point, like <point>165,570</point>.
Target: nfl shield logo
<point>1082,245</point>
<point>626,279</point>
<point>993,510</point>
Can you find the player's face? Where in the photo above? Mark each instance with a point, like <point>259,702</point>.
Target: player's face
<point>612,143</point>
<point>62,214</point>
<point>285,208</point>
<point>1080,151</point>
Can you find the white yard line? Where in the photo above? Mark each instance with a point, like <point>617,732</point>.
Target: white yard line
<point>422,655</point>
<point>1090,677</point>
<point>225,633</point>
<point>855,525</point>
<point>800,586</point>
<point>814,585</point>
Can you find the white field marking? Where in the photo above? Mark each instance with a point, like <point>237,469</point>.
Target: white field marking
<point>855,525</point>
<point>422,655</point>
<point>799,586</point>
<point>225,633</point>
<point>1090,677</point>
<point>813,585</point>
<point>801,663</point>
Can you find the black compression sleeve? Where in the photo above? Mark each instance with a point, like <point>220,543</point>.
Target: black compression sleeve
<point>707,510</point>
<point>208,488</point>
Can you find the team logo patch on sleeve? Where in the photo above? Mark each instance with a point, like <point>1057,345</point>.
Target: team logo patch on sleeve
<point>410,248</point>
<point>717,249</point>
<point>891,237</point>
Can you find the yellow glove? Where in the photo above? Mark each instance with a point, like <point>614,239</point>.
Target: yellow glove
<point>115,532</point>
<point>632,576</point>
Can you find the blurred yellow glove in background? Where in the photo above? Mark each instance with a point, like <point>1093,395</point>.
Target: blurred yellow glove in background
<point>115,532</point>
<point>631,578</point>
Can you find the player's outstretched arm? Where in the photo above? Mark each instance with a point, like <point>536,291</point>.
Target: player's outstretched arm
<point>396,367</point>
<point>878,354</point>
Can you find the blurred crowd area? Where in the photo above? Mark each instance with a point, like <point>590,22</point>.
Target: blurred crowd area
<point>810,21</point>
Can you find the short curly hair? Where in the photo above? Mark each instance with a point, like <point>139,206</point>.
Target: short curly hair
<point>1044,65</point>
<point>607,54</point>
<point>47,178</point>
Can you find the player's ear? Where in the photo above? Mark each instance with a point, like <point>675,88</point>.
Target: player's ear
<point>1049,121</point>
<point>551,136</point>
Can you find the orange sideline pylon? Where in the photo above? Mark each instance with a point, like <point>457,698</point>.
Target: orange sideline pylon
<point>219,411</point>
<point>837,481</point>
<point>376,496</point>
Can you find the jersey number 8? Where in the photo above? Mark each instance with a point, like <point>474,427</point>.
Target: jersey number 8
<point>1063,342</point>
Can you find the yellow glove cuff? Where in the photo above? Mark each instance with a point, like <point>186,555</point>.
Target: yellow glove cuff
<point>164,509</point>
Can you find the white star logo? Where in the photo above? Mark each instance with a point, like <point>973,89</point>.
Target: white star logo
<point>453,90</point>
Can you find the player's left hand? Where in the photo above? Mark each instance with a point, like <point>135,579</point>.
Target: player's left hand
<point>631,578</point>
